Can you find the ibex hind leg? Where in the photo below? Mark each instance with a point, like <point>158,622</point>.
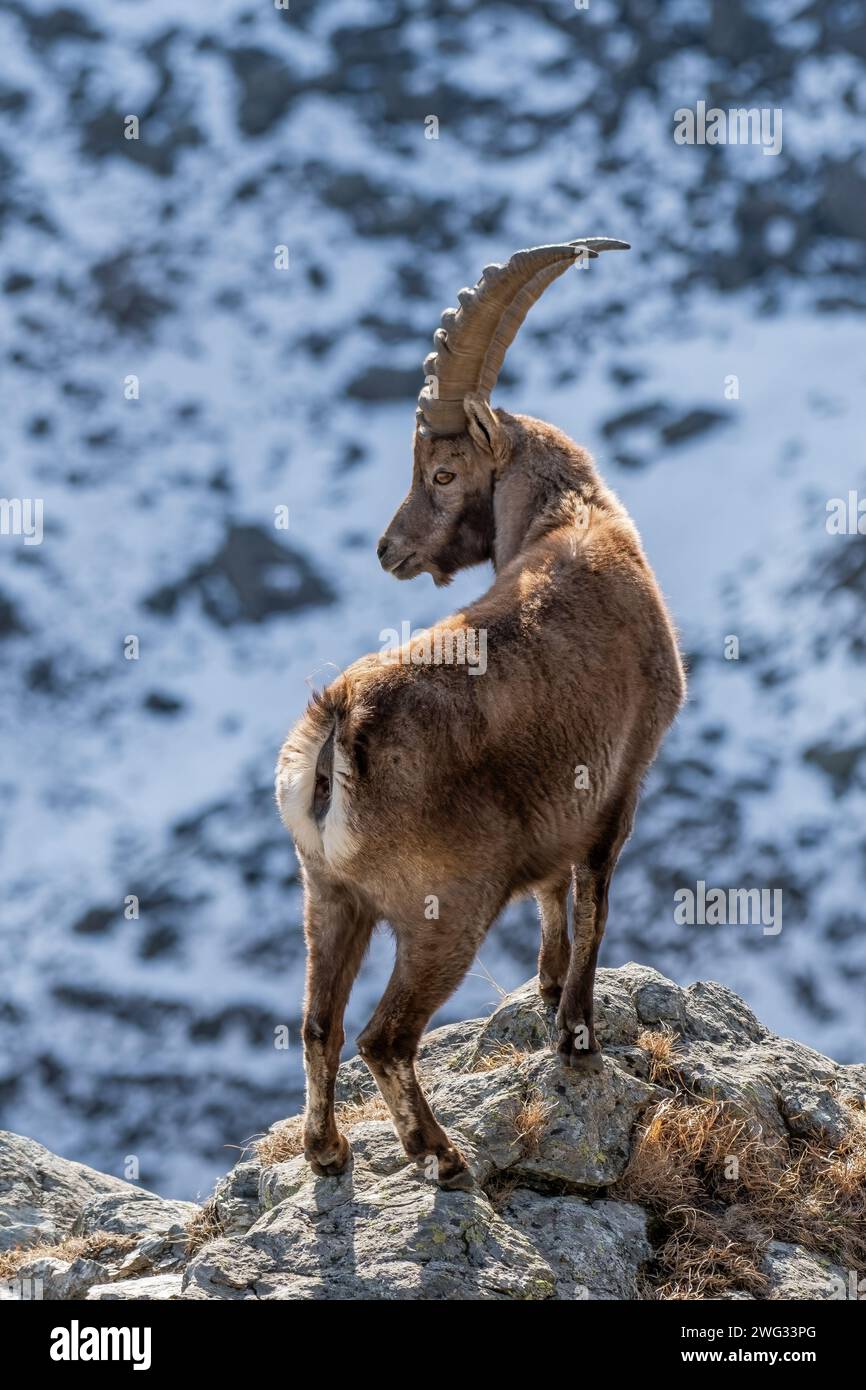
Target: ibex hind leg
<point>432,959</point>
<point>555,954</point>
<point>338,929</point>
<point>577,1044</point>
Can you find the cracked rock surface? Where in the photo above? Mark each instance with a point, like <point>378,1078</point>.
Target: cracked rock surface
<point>546,1147</point>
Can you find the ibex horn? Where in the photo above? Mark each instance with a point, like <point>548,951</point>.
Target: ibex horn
<point>473,339</point>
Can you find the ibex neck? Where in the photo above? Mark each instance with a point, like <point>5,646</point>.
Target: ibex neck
<point>544,482</point>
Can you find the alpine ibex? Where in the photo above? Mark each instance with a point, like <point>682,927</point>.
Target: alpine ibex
<point>427,795</point>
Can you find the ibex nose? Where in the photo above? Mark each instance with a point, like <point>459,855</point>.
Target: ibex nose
<point>382,549</point>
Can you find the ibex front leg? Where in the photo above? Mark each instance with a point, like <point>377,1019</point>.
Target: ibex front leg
<point>426,972</point>
<point>337,927</point>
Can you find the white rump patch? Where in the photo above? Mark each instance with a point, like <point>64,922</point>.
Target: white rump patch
<point>295,787</point>
<point>296,782</point>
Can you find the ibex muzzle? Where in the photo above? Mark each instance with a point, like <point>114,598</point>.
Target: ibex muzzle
<point>408,783</point>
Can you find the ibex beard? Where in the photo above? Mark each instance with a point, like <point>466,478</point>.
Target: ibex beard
<point>409,783</point>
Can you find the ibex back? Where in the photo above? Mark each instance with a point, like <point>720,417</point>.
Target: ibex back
<point>425,794</point>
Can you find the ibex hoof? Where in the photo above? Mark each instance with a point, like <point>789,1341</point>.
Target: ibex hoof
<point>458,1182</point>
<point>579,1058</point>
<point>448,1169</point>
<point>329,1163</point>
<point>550,992</point>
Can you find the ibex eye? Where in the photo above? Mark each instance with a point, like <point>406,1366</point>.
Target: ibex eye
<point>442,477</point>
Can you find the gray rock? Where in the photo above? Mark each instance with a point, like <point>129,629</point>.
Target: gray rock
<point>715,1014</point>
<point>290,1182</point>
<point>155,1288</point>
<point>852,1083</point>
<point>134,1213</point>
<point>813,1113</point>
<point>616,1018</point>
<point>376,1153</point>
<point>656,999</point>
<point>41,1195</point>
<point>484,1109</point>
<point>160,1225</point>
<point>236,1197</point>
<point>449,1048</point>
<point>376,1150</point>
<point>631,1059</point>
<point>584,1138</point>
<point>778,1082</point>
<point>397,1238</point>
<point>59,1280</point>
<point>155,1255</point>
<point>354,1081</point>
<point>522,1021</point>
<point>544,1144</point>
<point>594,1249</point>
<point>801,1274</point>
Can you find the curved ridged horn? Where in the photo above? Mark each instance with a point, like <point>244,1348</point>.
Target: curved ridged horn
<point>473,339</point>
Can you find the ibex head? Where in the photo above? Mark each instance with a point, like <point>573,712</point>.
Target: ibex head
<point>445,522</point>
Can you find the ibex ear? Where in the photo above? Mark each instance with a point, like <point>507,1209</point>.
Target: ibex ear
<point>483,425</point>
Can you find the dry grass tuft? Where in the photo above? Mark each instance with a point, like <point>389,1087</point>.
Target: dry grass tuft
<point>282,1143</point>
<point>203,1226</point>
<point>684,1151</point>
<point>660,1046</point>
<point>703,1260</point>
<point>720,1191</point>
<point>355,1112</point>
<point>72,1248</point>
<point>286,1141</point>
<point>505,1054</point>
<point>828,1203</point>
<point>531,1119</point>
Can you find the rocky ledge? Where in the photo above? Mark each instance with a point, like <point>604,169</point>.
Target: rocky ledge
<point>708,1159</point>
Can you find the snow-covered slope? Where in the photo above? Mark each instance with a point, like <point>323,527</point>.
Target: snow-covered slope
<point>260,388</point>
